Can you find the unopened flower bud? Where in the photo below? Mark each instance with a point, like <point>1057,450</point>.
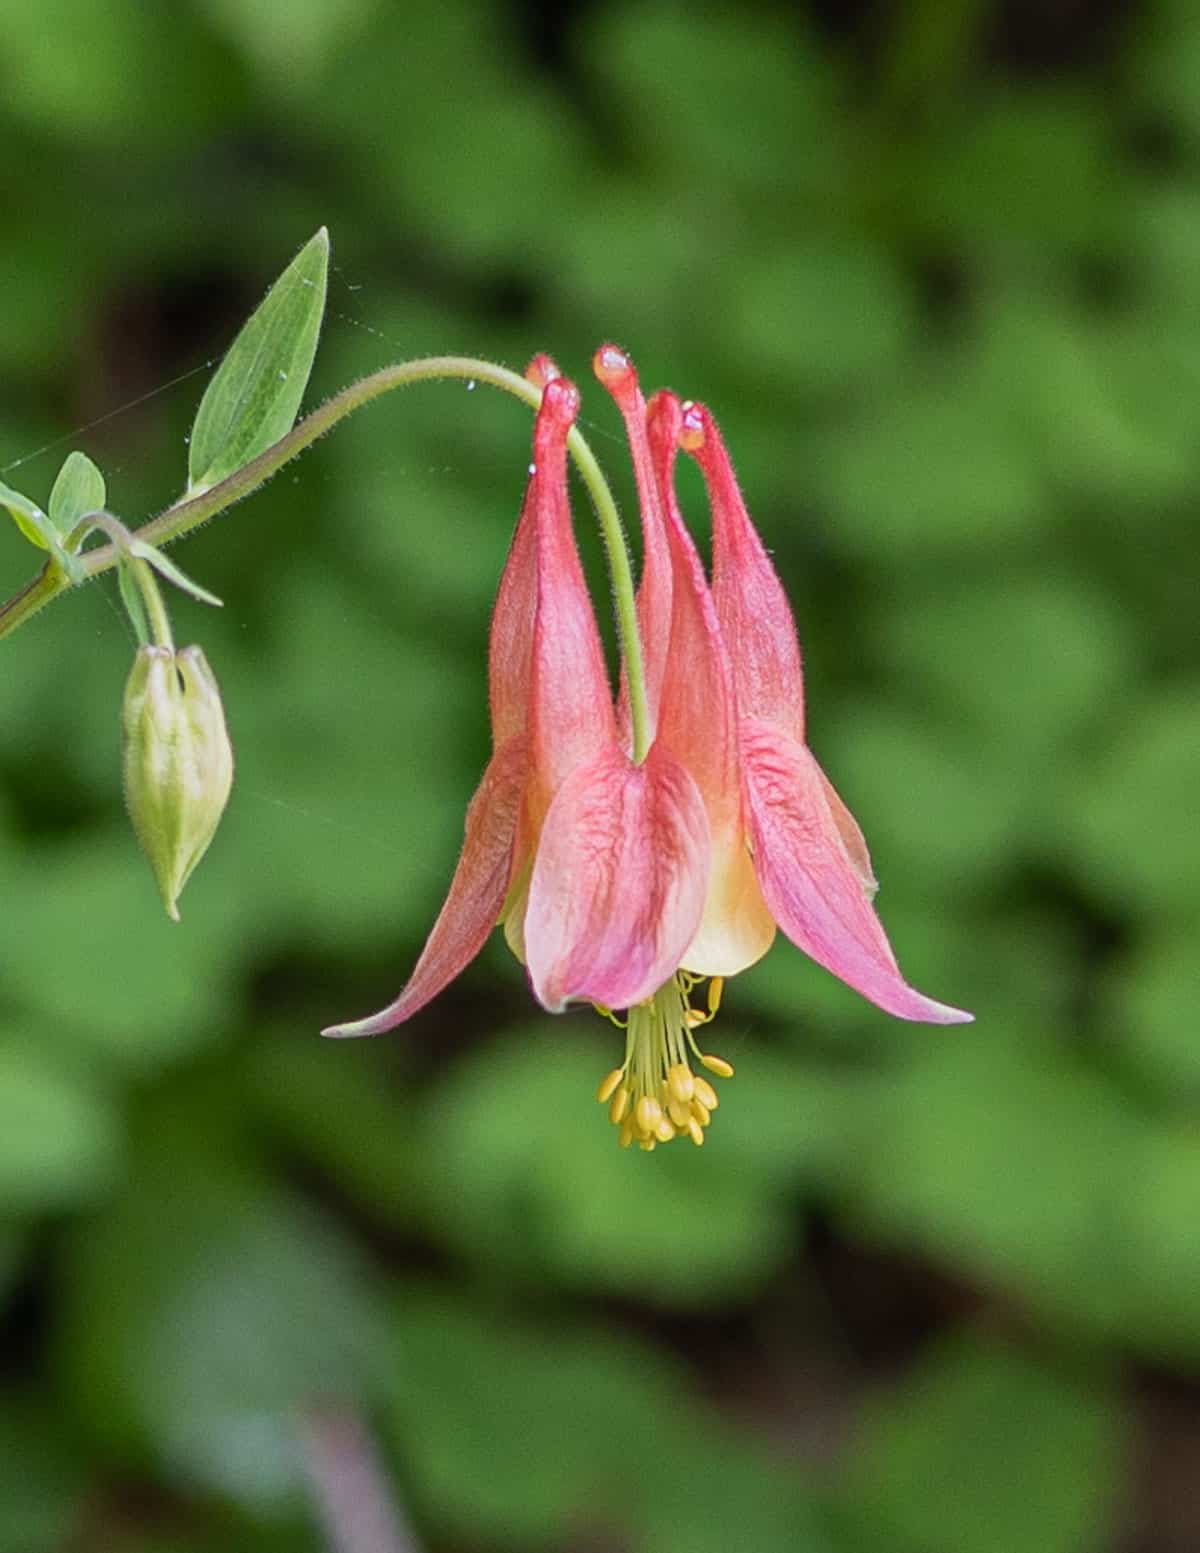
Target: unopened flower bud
<point>178,762</point>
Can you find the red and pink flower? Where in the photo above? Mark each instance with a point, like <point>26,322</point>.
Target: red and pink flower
<point>626,882</point>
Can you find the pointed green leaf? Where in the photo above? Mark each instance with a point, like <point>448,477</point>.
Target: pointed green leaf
<point>253,399</point>
<point>29,518</point>
<point>78,489</point>
<point>168,569</point>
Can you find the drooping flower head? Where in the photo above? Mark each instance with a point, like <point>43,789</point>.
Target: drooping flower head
<point>626,863</point>
<point>596,865</point>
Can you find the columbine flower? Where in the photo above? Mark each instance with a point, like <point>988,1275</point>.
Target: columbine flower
<point>628,884</point>
<point>596,866</point>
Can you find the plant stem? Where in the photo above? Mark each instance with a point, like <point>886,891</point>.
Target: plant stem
<point>139,570</point>
<point>156,610</point>
<point>349,1485</point>
<point>190,511</point>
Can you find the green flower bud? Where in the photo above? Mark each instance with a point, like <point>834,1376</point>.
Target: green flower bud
<point>178,762</point>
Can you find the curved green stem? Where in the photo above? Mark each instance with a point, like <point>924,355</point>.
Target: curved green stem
<point>139,570</point>
<point>190,511</point>
<point>156,610</point>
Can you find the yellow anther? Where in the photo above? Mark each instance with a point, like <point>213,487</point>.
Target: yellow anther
<point>607,1085</point>
<point>679,1113</point>
<point>706,1094</point>
<point>649,1114</point>
<point>682,1081</point>
<point>654,1096</point>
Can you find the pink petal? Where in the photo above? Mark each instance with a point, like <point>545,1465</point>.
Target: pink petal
<point>853,839</point>
<point>810,881</point>
<point>570,711</point>
<point>617,373</point>
<point>697,716</point>
<point>698,724</point>
<point>477,892</point>
<point>618,882</point>
<point>510,652</point>
<point>510,648</point>
<point>755,615</point>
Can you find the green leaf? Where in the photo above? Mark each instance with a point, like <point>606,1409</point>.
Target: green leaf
<point>1128,807</point>
<point>58,1139</point>
<point>206,1309</point>
<point>525,1433</point>
<point>172,573</point>
<point>253,399</point>
<point>285,42</point>
<point>79,488</point>
<point>1149,999</point>
<point>983,1450</point>
<point>1005,1163</point>
<point>1157,1245</point>
<point>84,998</point>
<point>40,1485</point>
<point>29,518</point>
<point>1068,646</point>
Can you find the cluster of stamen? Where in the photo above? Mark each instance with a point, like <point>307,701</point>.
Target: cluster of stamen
<point>654,1096</point>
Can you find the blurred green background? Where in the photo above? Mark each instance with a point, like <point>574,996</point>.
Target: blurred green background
<point>935,265</point>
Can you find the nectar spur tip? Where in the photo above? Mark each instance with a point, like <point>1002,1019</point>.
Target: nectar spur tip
<point>692,428</point>
<point>612,366</point>
<point>541,370</point>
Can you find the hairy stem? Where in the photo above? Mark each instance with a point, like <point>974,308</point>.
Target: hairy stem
<point>139,570</point>
<point>193,510</point>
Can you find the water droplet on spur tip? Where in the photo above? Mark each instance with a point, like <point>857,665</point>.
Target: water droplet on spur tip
<point>470,385</point>
<point>691,435</point>
<point>611,364</point>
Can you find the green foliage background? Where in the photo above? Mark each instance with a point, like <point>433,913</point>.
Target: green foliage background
<point>925,1291</point>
